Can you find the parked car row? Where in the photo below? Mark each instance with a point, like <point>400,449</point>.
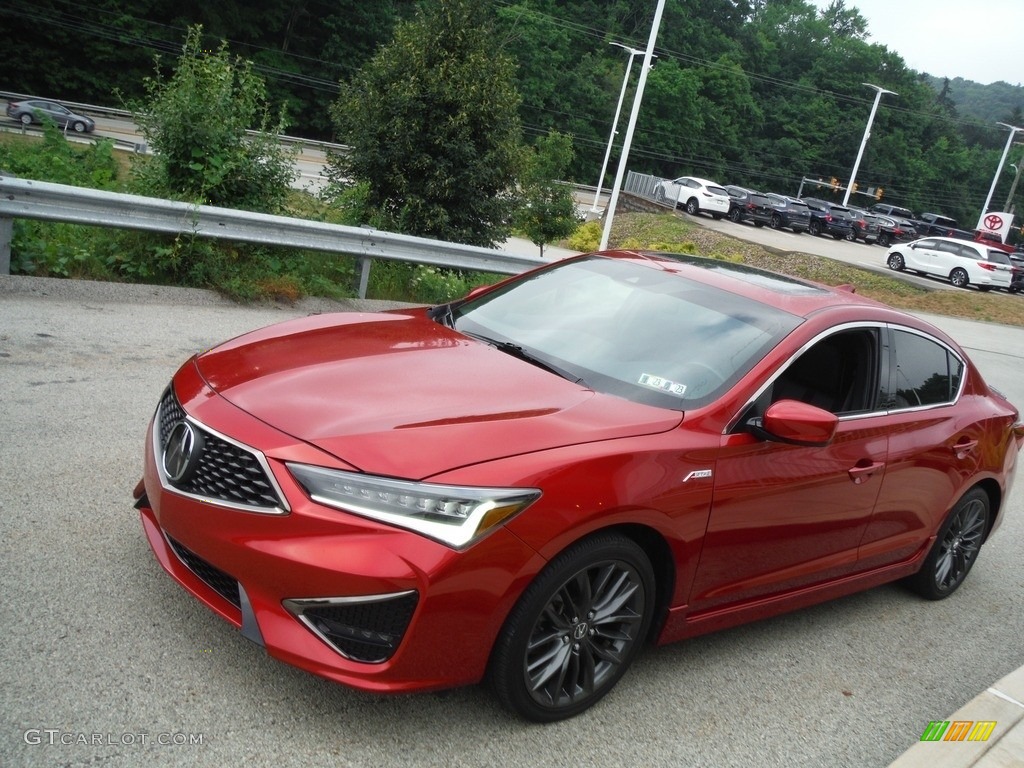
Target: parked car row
<point>819,217</point>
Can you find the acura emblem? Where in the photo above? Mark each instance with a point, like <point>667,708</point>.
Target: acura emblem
<point>181,452</point>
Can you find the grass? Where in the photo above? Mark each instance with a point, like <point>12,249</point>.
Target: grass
<point>666,232</point>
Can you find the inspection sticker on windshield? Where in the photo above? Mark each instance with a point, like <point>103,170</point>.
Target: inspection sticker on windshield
<point>665,385</point>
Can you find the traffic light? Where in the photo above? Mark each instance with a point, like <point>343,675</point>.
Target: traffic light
<point>878,193</point>
<point>854,187</point>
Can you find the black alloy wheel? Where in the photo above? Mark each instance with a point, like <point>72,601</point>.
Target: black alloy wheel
<point>575,630</point>
<point>956,549</point>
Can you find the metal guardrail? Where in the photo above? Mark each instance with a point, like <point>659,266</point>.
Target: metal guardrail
<point>25,199</point>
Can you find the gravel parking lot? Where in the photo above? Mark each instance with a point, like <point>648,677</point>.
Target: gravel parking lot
<point>105,660</point>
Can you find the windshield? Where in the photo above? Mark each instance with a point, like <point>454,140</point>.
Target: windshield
<point>629,328</point>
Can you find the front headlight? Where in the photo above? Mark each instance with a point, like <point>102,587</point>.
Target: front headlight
<point>454,515</point>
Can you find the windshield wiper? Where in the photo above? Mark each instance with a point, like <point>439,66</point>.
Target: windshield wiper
<point>516,351</point>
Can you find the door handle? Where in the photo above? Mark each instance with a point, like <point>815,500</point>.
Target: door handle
<point>861,473</point>
<point>964,448</point>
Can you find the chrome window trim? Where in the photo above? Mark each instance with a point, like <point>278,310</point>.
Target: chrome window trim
<point>281,509</point>
<point>876,324</point>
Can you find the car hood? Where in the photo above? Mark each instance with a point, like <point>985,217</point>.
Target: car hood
<point>399,394</point>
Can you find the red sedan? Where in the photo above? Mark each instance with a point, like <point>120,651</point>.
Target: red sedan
<point>526,485</point>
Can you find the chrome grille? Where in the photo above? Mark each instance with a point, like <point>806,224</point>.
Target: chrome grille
<point>226,471</point>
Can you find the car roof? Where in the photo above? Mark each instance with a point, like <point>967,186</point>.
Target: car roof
<point>796,296</point>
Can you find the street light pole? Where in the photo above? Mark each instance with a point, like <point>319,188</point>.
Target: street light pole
<point>633,53</point>
<point>867,135</point>
<point>1002,160</point>
<point>609,213</point>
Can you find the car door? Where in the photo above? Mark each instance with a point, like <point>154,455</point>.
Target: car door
<point>788,516</point>
<point>930,450</point>
<point>921,255</point>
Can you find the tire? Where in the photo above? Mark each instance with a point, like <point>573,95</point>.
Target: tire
<point>955,550</point>
<point>814,228</point>
<point>776,222</point>
<point>884,240</point>
<point>692,207</point>
<point>26,119</point>
<point>575,630</point>
<point>851,237</point>
<point>959,278</point>
<point>79,126</point>
<point>895,261</point>
<point>735,216</point>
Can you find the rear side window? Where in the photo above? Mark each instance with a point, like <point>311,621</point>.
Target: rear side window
<point>926,372</point>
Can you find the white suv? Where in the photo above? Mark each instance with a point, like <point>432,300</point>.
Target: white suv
<point>696,195</point>
<point>963,262</point>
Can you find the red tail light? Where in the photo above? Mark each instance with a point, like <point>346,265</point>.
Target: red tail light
<point>986,265</point>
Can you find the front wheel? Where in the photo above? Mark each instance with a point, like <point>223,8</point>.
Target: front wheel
<point>884,240</point>
<point>776,222</point>
<point>956,548</point>
<point>895,261</point>
<point>959,278</point>
<point>815,228</point>
<point>735,216</point>
<point>692,207</point>
<point>575,630</point>
<point>26,119</point>
<point>79,126</point>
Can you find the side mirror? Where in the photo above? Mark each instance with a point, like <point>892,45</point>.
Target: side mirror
<point>795,423</point>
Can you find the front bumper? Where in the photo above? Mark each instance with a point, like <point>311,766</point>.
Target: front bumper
<point>358,602</point>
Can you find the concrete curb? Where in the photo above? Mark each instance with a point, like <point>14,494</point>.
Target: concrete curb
<point>1002,703</point>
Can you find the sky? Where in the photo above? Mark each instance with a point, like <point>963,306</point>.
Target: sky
<point>980,40</point>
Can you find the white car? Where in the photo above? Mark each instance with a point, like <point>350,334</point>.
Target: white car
<point>963,262</point>
<point>696,195</point>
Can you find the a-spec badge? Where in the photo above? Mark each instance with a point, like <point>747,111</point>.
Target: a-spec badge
<point>697,474</point>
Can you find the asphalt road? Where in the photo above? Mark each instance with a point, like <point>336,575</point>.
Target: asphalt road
<point>105,660</point>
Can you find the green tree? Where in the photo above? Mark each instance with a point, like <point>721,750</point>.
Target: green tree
<point>433,128</point>
<point>548,211</point>
<point>197,122</point>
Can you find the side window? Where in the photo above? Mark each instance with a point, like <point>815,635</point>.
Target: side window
<point>838,374</point>
<point>947,247</point>
<point>926,373</point>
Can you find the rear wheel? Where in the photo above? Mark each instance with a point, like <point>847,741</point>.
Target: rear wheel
<point>575,630</point>
<point>956,548</point>
<point>959,278</point>
<point>735,216</point>
<point>815,228</point>
<point>884,240</point>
